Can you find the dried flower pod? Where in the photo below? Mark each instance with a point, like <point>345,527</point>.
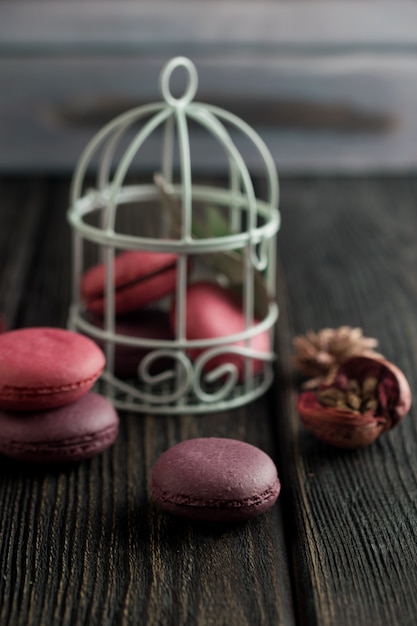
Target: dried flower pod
<point>366,397</point>
<point>318,355</point>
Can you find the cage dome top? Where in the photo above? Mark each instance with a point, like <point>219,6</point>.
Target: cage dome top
<point>173,115</point>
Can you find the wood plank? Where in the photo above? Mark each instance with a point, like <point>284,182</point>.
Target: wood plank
<point>339,114</point>
<point>85,545</point>
<point>329,86</point>
<point>125,27</point>
<point>21,218</point>
<point>348,256</point>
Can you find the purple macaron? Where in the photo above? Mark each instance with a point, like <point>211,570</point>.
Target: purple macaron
<point>148,324</point>
<point>215,480</point>
<point>74,432</point>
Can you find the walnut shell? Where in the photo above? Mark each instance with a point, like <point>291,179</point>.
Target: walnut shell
<point>366,397</point>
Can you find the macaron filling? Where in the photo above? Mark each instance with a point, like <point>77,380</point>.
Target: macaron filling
<point>139,292</point>
<point>66,447</point>
<point>15,391</point>
<point>188,500</point>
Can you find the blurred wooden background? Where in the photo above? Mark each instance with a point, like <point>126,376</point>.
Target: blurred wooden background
<point>331,86</point>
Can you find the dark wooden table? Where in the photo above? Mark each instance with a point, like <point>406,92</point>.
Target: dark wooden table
<point>86,545</point>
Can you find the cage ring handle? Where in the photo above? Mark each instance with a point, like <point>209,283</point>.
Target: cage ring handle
<point>192,81</point>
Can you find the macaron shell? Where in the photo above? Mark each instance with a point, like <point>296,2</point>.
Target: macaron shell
<point>213,312</point>
<point>138,295</point>
<point>42,368</point>
<point>140,277</point>
<point>73,432</point>
<point>215,479</point>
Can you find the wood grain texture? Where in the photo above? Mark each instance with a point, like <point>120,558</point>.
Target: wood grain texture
<point>21,215</point>
<point>194,27</point>
<point>348,257</point>
<point>85,545</point>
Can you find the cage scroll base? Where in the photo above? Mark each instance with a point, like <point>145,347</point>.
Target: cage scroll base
<point>186,387</point>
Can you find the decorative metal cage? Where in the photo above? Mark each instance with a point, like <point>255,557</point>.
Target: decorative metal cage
<point>246,249</point>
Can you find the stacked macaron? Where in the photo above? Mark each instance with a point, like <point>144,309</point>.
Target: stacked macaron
<point>47,412</point>
<point>142,279</point>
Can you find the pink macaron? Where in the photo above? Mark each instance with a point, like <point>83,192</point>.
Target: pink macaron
<point>140,277</point>
<point>212,312</point>
<point>73,432</point>
<point>215,480</point>
<point>43,368</point>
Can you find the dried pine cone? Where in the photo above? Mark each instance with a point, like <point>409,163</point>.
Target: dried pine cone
<point>318,355</point>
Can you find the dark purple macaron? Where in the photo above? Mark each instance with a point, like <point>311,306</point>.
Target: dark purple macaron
<point>146,324</point>
<point>215,480</point>
<point>74,432</point>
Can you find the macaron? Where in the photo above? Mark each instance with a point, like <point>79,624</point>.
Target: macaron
<point>73,432</point>
<point>213,311</point>
<point>43,368</point>
<point>144,324</point>
<point>215,480</point>
<point>140,277</point>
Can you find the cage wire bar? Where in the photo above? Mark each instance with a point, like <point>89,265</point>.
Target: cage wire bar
<point>189,384</point>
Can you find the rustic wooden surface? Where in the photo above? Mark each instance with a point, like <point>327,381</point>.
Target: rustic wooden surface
<point>85,545</point>
<point>348,250</point>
